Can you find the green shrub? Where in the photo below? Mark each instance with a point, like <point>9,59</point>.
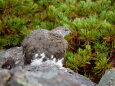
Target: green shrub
<point>79,59</point>
<point>14,18</point>
<point>84,61</point>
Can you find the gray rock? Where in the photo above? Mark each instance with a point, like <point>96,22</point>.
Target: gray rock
<point>2,57</point>
<point>47,75</point>
<point>4,77</point>
<point>42,75</point>
<point>108,78</point>
<point>11,57</point>
<point>47,42</point>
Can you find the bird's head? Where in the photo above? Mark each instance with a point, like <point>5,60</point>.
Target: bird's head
<point>61,30</point>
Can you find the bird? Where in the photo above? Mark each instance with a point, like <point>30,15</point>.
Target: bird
<point>45,44</point>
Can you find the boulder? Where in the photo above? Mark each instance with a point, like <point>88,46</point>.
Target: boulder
<point>47,75</point>
<point>11,57</point>
<point>108,78</point>
<point>4,77</point>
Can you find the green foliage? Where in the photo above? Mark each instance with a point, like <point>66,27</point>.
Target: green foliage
<point>89,7</point>
<point>14,18</point>
<point>90,64</point>
<point>79,59</point>
<point>101,65</point>
<point>89,27</point>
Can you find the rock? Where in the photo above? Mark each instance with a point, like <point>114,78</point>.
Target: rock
<point>108,78</point>
<point>11,57</point>
<point>51,43</point>
<point>47,75</point>
<point>42,75</point>
<point>2,57</point>
<point>9,64</point>
<point>4,77</point>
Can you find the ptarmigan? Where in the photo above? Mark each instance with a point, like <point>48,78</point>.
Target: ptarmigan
<point>45,44</point>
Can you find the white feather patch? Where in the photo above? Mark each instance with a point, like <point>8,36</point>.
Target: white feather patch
<point>37,62</point>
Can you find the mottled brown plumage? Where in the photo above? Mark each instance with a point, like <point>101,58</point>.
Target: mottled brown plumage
<point>47,42</point>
